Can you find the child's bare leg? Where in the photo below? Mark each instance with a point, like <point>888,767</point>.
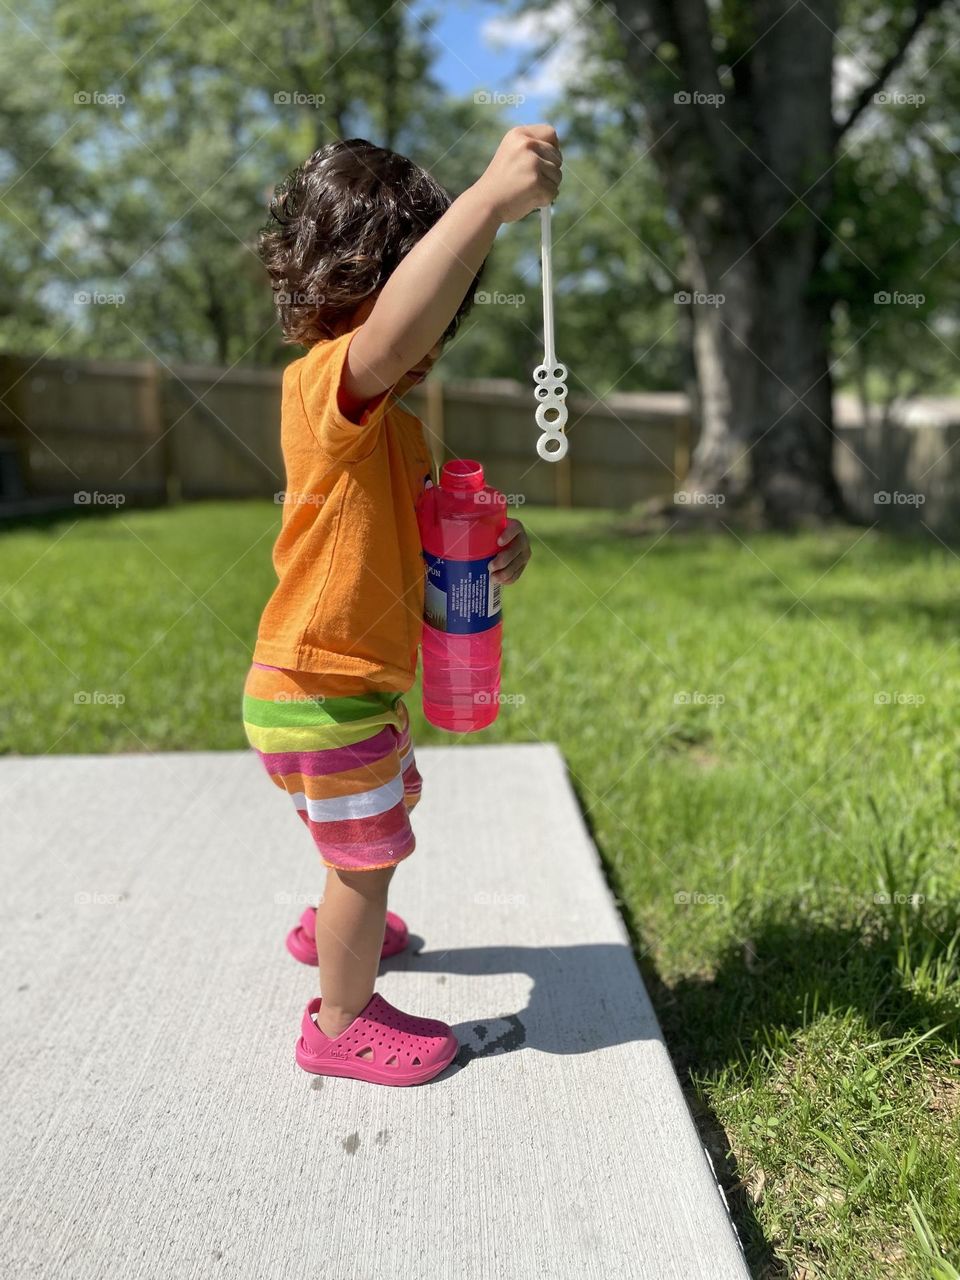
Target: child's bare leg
<point>350,924</point>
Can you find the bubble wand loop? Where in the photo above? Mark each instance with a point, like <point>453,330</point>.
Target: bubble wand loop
<point>550,378</point>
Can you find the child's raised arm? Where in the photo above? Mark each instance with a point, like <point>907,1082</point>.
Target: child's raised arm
<point>422,296</point>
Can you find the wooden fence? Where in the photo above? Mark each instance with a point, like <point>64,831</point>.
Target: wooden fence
<point>902,470</point>
<point>153,434</point>
<point>100,432</point>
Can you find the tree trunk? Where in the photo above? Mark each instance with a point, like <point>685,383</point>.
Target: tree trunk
<point>762,353</point>
<point>217,314</point>
<point>747,164</point>
<point>761,348</point>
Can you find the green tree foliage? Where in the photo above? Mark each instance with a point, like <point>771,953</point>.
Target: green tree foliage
<point>158,197</point>
<point>892,228</point>
<point>895,218</point>
<point>139,147</point>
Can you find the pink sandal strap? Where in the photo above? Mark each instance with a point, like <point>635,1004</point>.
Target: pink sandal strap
<point>302,945</point>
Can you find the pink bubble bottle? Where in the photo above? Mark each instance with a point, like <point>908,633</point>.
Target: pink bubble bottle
<point>460,520</point>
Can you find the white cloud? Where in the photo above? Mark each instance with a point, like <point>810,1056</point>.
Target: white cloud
<point>557,31</point>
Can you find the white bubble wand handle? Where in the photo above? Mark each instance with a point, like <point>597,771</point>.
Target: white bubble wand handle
<point>549,378</point>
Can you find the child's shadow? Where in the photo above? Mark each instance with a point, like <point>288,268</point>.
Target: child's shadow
<point>587,997</point>
<point>591,996</point>
<point>582,997</point>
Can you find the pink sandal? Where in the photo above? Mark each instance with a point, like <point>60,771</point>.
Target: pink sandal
<point>404,1049</point>
<point>302,945</point>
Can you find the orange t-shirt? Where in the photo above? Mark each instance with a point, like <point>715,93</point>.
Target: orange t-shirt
<point>349,601</point>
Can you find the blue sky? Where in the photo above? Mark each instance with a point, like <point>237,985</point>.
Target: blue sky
<point>470,59</point>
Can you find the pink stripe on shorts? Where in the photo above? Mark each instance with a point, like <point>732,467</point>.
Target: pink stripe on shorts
<point>347,763</point>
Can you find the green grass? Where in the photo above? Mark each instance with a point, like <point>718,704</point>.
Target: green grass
<point>717,703</point>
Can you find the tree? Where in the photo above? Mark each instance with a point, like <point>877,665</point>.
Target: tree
<point>158,199</point>
<point>138,150</point>
<point>738,102</point>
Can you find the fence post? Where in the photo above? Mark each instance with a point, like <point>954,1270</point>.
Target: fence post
<point>155,418</point>
<point>681,450</point>
<point>563,482</point>
<point>15,464</point>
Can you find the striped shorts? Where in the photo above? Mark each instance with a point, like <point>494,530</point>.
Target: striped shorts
<point>346,762</point>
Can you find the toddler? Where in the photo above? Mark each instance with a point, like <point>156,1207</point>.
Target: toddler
<point>373,268</point>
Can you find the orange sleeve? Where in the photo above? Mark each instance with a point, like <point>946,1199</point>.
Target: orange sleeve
<point>343,427</point>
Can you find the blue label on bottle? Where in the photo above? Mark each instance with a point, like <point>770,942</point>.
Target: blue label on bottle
<point>460,597</point>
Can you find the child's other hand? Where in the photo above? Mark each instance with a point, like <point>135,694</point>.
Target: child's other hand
<point>525,172</point>
<point>508,565</point>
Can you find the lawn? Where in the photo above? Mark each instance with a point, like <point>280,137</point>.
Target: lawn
<point>764,737</point>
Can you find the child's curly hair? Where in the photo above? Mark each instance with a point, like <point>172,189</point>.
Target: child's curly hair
<point>339,226</point>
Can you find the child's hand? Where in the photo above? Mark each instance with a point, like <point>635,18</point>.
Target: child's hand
<point>525,172</point>
<point>508,565</point>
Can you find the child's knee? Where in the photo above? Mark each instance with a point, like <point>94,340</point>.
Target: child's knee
<point>370,883</point>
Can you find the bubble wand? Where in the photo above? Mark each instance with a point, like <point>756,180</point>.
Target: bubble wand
<point>550,378</point>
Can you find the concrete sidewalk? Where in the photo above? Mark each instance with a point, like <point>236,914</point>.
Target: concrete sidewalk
<point>155,1122</point>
